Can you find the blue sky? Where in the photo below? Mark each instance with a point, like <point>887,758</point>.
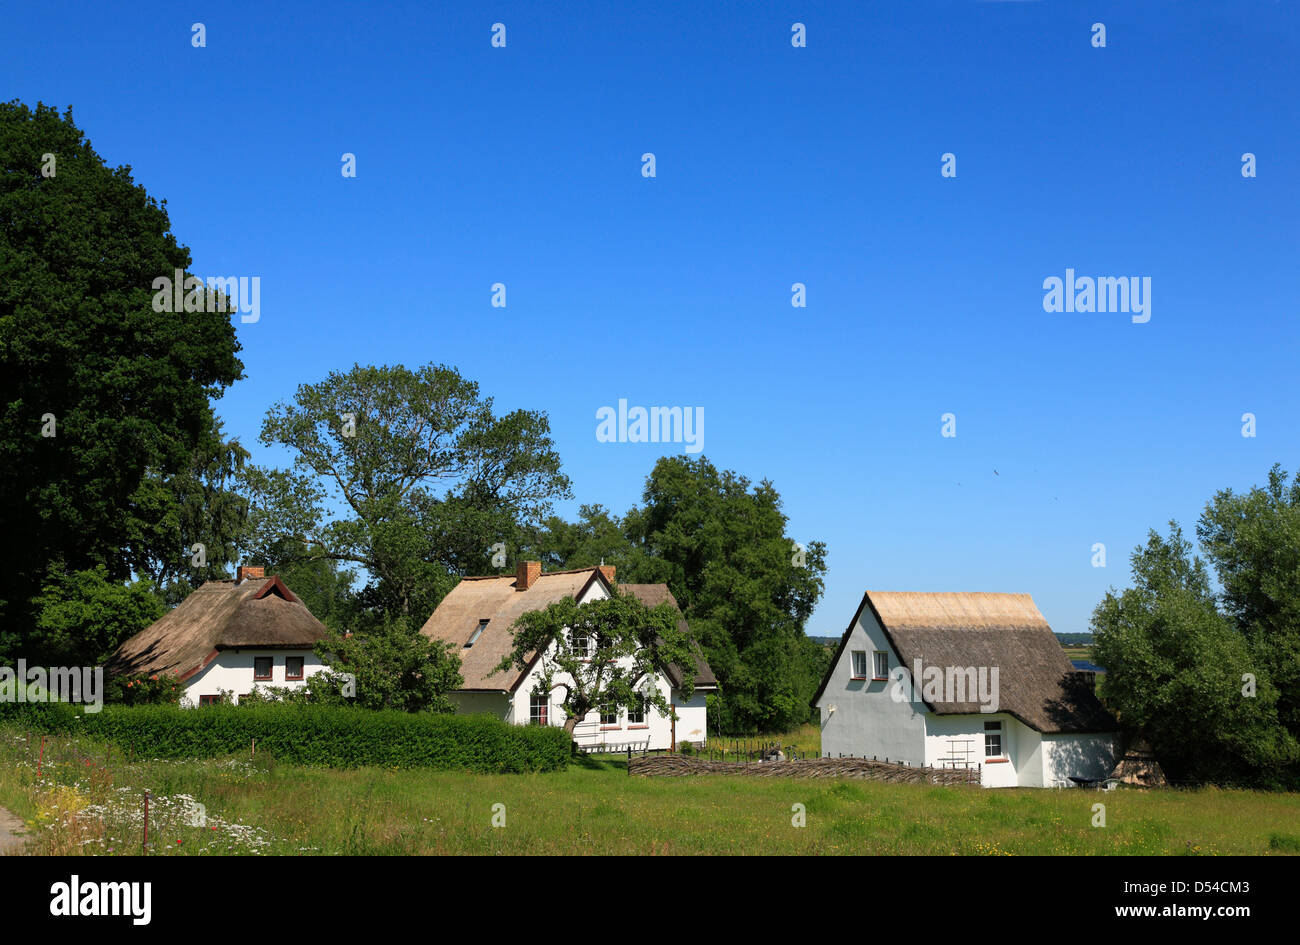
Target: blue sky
<point>775,165</point>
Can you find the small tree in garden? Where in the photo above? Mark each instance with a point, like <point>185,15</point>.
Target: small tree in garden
<point>602,654</point>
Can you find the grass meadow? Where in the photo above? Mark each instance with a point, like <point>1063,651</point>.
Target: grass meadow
<point>84,800</point>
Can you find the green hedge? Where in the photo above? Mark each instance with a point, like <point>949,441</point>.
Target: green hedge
<point>331,736</point>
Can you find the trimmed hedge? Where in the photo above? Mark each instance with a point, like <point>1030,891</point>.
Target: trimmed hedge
<point>329,736</point>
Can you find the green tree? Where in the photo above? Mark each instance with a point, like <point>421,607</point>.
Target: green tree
<point>1253,542</point>
<point>393,667</point>
<point>1175,668</point>
<point>408,475</point>
<point>194,536</point>
<point>601,654</point>
<point>83,616</point>
<point>747,590</point>
<point>123,390</point>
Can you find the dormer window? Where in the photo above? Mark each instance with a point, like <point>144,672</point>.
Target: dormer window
<point>478,632</point>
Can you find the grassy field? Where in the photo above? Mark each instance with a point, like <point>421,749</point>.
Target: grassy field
<point>87,801</point>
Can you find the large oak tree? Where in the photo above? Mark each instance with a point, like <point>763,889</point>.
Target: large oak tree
<point>101,397</point>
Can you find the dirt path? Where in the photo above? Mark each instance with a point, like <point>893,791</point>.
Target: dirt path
<point>12,833</point>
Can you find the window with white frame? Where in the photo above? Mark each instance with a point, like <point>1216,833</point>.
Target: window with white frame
<point>859,664</point>
<point>992,739</point>
<point>636,716</point>
<point>882,664</point>
<point>579,643</point>
<point>539,709</point>
<point>609,714</point>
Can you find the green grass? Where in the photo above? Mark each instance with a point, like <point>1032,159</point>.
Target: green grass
<point>594,807</point>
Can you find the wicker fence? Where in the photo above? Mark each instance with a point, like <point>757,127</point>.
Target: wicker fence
<point>866,768</point>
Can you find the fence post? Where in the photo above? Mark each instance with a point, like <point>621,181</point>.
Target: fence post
<point>144,844</point>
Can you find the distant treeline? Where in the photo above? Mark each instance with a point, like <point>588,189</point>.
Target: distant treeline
<point>1075,639</point>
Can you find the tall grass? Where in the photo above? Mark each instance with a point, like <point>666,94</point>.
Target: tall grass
<point>89,801</point>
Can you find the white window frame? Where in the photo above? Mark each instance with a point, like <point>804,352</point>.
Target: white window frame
<point>539,700</point>
<point>854,667</point>
<point>614,713</point>
<point>875,664</point>
<point>994,729</point>
<point>642,711</point>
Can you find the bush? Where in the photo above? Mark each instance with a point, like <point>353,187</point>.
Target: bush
<point>325,736</point>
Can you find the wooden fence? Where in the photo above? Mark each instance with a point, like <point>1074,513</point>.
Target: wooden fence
<point>864,768</point>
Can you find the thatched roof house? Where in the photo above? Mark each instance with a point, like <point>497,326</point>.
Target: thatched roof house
<point>225,631</point>
<point>477,618</point>
<point>963,679</point>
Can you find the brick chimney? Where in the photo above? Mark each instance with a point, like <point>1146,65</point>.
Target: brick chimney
<point>526,574</point>
<point>244,573</point>
<point>608,571</point>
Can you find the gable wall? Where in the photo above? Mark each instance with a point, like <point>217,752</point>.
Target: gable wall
<point>658,729</point>
<point>867,720</point>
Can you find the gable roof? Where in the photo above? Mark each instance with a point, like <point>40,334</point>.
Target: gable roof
<point>1036,682</point>
<point>495,599</point>
<point>217,616</point>
<point>653,595</point>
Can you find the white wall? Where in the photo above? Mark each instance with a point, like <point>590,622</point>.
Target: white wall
<point>232,671</point>
<point>1083,756</point>
<point>867,720</point>
<point>948,735</point>
<point>657,728</point>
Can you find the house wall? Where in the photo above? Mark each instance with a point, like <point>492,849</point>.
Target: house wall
<point>692,718</point>
<point>947,736</point>
<point>1083,756</point>
<point>867,720</point>
<point>657,729</point>
<point>232,671</point>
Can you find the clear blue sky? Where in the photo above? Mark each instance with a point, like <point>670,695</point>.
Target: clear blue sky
<point>775,165</point>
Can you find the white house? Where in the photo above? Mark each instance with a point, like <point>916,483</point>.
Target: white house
<point>477,617</point>
<point>227,637</point>
<point>964,680</point>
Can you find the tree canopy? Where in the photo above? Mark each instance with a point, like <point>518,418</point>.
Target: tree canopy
<point>1209,678</point>
<point>603,654</point>
<point>407,474</point>
<point>101,398</point>
<point>745,586</point>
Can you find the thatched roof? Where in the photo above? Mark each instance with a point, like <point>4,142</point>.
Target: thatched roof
<point>1036,682</point>
<point>220,615</point>
<point>495,599</point>
<point>653,595</point>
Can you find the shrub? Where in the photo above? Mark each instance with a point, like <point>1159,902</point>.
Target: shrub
<point>326,736</point>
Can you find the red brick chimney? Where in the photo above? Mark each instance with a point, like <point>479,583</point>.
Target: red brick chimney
<point>244,573</point>
<point>526,574</point>
<point>608,571</point>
